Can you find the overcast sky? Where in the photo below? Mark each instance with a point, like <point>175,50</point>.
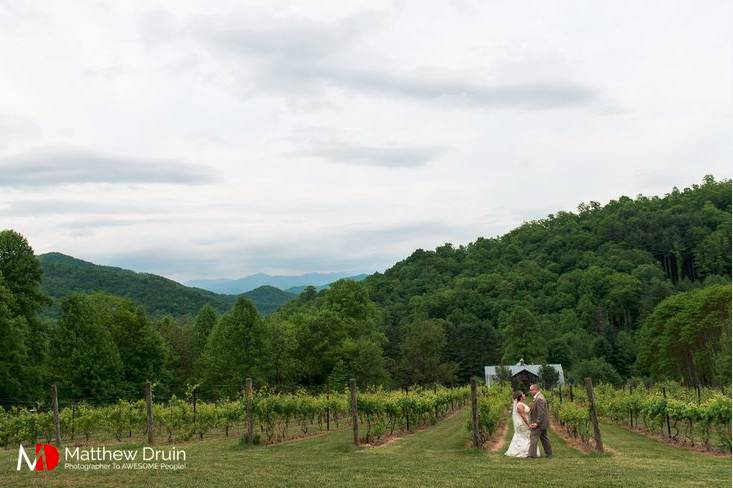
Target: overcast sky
<point>219,139</point>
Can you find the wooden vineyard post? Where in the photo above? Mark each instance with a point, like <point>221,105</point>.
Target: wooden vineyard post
<point>328,412</point>
<point>73,419</point>
<point>474,414</point>
<point>666,415</point>
<point>594,415</point>
<point>56,421</point>
<point>435,390</point>
<point>149,411</point>
<point>560,389</point>
<point>571,393</point>
<point>354,412</point>
<point>194,406</point>
<point>250,418</point>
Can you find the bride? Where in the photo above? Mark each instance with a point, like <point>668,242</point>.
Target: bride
<point>520,442</point>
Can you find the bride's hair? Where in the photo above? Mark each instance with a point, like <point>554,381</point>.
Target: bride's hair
<point>518,395</point>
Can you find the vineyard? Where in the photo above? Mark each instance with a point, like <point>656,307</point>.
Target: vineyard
<point>434,456</point>
<point>277,417</point>
<point>493,407</point>
<point>692,417</point>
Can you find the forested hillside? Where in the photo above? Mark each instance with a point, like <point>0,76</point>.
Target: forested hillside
<point>635,289</point>
<point>63,275</point>
<point>572,288</point>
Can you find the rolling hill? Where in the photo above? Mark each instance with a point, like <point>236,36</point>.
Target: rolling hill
<point>298,289</point>
<point>63,275</point>
<point>288,283</point>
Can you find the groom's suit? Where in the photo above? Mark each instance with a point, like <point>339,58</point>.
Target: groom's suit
<point>540,415</point>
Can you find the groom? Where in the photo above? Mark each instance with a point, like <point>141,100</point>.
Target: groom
<point>539,417</point>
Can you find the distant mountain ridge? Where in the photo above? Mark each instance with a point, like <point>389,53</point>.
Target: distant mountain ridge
<point>298,289</point>
<point>283,282</point>
<point>63,275</point>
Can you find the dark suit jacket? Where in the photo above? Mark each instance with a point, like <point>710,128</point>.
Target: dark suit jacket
<point>539,412</point>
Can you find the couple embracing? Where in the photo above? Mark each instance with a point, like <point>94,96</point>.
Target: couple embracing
<point>530,425</point>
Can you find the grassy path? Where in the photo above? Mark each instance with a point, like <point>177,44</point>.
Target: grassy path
<point>435,457</point>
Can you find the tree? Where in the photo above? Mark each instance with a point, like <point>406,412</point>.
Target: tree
<point>202,327</point>
<point>84,359</point>
<point>422,354</point>
<point>560,351</point>
<point>141,348</point>
<point>602,348</point>
<point>522,337</point>
<point>338,322</point>
<point>320,333</point>
<point>472,346</point>
<point>233,351</point>
<point>503,374</point>
<point>179,341</point>
<point>20,277</point>
<point>596,369</point>
<point>338,378</point>
<point>549,377</point>
<point>15,375</point>
<point>308,294</point>
<point>687,337</point>
<point>713,256</point>
<point>363,360</point>
<point>22,274</point>
<point>624,353</point>
<point>283,365</point>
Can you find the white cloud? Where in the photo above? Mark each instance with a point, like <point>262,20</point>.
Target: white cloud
<point>208,140</point>
<point>63,166</point>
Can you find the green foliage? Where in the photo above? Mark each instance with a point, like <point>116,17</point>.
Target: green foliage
<point>84,358</point>
<point>386,412</point>
<point>694,420</point>
<point>15,366</point>
<point>493,405</point>
<point>202,327</point>
<point>179,340</point>
<point>25,337</point>
<point>233,350</point>
<point>337,335</point>
<point>522,337</point>
<point>471,346</point>
<point>422,354</point>
<point>575,419</point>
<point>555,284</point>
<point>687,337</point>
<point>549,377</point>
<point>596,369</point>
<point>141,348</point>
<point>283,365</point>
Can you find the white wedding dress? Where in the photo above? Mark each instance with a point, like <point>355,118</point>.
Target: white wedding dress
<point>520,442</point>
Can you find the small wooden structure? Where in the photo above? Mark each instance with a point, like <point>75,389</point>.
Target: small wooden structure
<point>523,374</point>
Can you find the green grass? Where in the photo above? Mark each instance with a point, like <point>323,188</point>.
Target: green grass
<point>435,457</point>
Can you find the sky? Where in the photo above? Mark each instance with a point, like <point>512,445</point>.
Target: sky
<point>219,139</point>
